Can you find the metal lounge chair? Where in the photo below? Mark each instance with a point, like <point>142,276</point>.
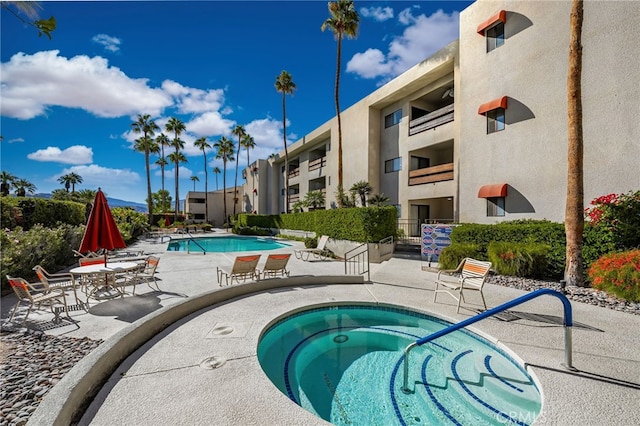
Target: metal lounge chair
<point>470,275</point>
<point>320,252</point>
<point>35,294</point>
<point>146,274</point>
<point>275,264</point>
<point>60,280</point>
<point>244,268</point>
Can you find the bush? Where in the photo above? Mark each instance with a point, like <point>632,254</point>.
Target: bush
<point>618,214</point>
<point>518,259</point>
<point>311,242</point>
<point>451,256</point>
<point>49,247</point>
<point>29,211</point>
<point>618,273</point>
<point>520,231</point>
<point>131,223</point>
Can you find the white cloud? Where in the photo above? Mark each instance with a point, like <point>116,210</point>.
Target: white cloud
<point>31,83</point>
<point>423,36</point>
<point>112,44</point>
<point>379,14</point>
<point>210,123</point>
<point>94,176</point>
<point>77,154</point>
<point>190,100</point>
<point>15,140</point>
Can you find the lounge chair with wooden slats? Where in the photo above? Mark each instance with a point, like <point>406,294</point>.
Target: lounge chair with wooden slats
<point>276,264</point>
<point>244,268</point>
<point>470,275</point>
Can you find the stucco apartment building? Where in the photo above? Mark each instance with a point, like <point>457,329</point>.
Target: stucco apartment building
<point>478,131</point>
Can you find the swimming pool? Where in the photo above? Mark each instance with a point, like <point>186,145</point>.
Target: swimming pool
<point>344,364</point>
<point>225,244</point>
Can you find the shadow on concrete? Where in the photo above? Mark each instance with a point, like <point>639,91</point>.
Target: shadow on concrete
<point>516,23</point>
<point>517,203</point>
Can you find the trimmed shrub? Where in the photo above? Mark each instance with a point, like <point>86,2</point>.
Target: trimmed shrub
<point>451,256</point>
<point>619,274</point>
<point>49,247</point>
<point>29,211</point>
<point>620,214</point>
<point>311,242</point>
<point>518,259</point>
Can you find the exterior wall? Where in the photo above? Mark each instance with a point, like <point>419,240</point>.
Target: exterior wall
<point>531,69</point>
<point>529,154</point>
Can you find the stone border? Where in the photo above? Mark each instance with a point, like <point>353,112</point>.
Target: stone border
<point>68,399</point>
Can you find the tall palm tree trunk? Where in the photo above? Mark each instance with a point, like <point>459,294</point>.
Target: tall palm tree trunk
<point>235,185</point>
<point>224,189</point>
<point>574,213</point>
<point>177,203</point>
<point>206,191</point>
<point>337,99</point>
<point>149,195</point>
<point>286,153</point>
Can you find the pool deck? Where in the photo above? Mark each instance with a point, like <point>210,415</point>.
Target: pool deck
<point>166,380</point>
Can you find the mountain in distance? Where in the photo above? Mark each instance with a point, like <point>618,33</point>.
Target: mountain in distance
<point>113,202</point>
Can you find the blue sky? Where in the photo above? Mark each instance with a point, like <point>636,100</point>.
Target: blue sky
<point>67,104</point>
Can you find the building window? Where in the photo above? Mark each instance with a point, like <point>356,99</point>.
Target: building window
<point>393,118</point>
<point>495,206</point>
<point>495,120</point>
<point>495,36</point>
<point>393,165</point>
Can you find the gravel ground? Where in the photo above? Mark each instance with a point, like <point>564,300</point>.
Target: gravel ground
<point>32,362</point>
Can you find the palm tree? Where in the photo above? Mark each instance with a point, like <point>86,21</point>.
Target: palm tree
<point>177,158</point>
<point>194,179</point>
<point>343,21</point>
<point>314,199</point>
<point>69,180</point>
<point>23,186</point>
<point>574,210</point>
<point>286,86</point>
<point>30,10</point>
<point>177,127</point>
<point>162,140</point>
<point>86,195</point>
<point>6,180</point>
<point>217,171</point>
<point>225,152</point>
<point>240,133</point>
<point>204,145</point>
<point>247,143</point>
<point>362,188</point>
<point>145,125</point>
<point>378,200</point>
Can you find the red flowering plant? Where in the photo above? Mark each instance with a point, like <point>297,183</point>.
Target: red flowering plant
<point>618,273</point>
<point>618,214</point>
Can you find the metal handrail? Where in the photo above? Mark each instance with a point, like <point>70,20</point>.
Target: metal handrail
<point>568,323</point>
<point>204,251</point>
<point>348,260</point>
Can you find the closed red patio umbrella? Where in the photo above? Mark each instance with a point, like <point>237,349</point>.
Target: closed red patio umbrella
<point>102,231</point>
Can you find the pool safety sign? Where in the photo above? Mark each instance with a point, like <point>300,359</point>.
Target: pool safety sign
<point>434,239</point>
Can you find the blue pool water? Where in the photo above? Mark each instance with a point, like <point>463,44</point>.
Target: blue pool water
<point>226,244</point>
<point>345,365</point>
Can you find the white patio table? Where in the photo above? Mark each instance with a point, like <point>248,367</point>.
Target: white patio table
<point>92,275</point>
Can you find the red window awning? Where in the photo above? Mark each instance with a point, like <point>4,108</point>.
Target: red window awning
<point>493,191</point>
<point>494,104</point>
<point>498,17</point>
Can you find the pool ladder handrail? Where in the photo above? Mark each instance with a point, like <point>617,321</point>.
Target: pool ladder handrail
<point>204,251</point>
<point>568,323</point>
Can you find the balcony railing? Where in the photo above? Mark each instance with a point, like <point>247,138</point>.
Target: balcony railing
<point>294,172</point>
<point>433,174</point>
<point>433,119</point>
<point>294,197</point>
<point>318,163</point>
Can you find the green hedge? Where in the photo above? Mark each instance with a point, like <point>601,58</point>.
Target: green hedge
<point>451,256</point>
<point>29,211</point>
<point>366,224</point>
<point>518,259</point>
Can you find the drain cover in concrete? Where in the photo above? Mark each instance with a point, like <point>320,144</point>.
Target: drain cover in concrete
<point>230,329</point>
<point>212,363</point>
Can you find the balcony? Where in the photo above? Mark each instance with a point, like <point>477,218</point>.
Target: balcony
<point>294,172</point>
<point>433,119</point>
<point>317,163</point>
<point>433,174</point>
